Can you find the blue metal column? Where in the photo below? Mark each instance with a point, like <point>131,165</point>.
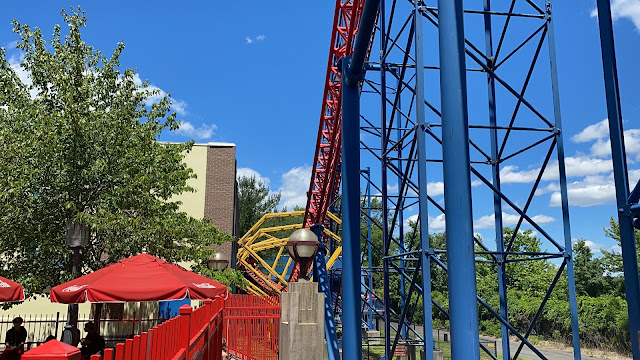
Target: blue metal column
<point>386,237</point>
<point>618,155</point>
<point>568,250</point>
<point>463,312</point>
<point>422,187</point>
<point>400,204</point>
<point>372,324</point>
<point>495,172</point>
<point>325,287</point>
<point>351,311</point>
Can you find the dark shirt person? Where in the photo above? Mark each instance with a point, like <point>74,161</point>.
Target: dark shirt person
<point>92,343</point>
<point>15,339</point>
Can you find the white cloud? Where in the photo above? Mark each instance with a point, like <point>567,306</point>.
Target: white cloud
<point>510,174</point>
<point>294,187</point>
<point>485,222</point>
<point>595,247</point>
<point>585,196</point>
<point>583,166</point>
<point>23,75</point>
<point>411,219</point>
<point>488,221</point>
<point>598,162</point>
<point>592,190</point>
<point>178,106</point>
<point>248,172</point>
<point>624,9</point>
<point>575,166</point>
<point>602,147</point>
<point>597,185</point>
<point>203,132</point>
<point>592,132</point>
<point>435,188</point>
<point>249,40</point>
<point>437,224</point>
<point>552,187</point>
<point>12,45</point>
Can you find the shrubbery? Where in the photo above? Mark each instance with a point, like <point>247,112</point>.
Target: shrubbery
<point>602,308</point>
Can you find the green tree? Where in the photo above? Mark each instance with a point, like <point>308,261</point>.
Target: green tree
<point>254,200</point>
<point>589,271</point>
<point>79,143</point>
<point>612,259</point>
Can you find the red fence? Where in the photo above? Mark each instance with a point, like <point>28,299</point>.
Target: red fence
<point>252,326</point>
<point>194,335</point>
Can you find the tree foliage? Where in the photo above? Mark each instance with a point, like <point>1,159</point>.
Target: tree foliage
<point>602,311</point>
<point>254,200</point>
<point>78,141</point>
<point>613,259</point>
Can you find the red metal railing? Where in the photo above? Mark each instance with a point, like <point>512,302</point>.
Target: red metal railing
<point>252,326</point>
<point>193,335</point>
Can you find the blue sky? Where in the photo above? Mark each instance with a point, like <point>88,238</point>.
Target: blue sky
<point>252,73</point>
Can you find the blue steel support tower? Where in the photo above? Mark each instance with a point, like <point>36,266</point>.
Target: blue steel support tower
<point>627,202</point>
<point>463,312</point>
<point>418,125</point>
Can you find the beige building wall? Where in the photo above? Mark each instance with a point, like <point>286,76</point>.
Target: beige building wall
<point>193,203</point>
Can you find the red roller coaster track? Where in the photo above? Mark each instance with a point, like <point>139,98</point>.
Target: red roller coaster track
<point>325,179</point>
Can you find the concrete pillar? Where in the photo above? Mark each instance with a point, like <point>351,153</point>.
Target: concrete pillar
<point>302,322</point>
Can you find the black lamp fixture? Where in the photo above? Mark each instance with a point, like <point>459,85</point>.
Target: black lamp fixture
<point>303,246</point>
<point>218,261</point>
<point>77,235</point>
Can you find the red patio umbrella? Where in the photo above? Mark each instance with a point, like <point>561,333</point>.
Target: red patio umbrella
<point>138,278</point>
<point>53,350</point>
<point>10,291</point>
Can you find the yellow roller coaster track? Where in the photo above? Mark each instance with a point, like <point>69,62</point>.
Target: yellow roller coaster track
<point>269,278</point>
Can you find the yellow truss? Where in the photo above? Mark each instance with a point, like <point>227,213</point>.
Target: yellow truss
<point>259,239</point>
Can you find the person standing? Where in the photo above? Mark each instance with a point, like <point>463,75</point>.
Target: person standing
<point>92,343</point>
<point>15,339</point>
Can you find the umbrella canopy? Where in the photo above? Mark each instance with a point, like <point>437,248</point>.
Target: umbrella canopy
<point>138,278</point>
<point>53,350</point>
<point>10,291</point>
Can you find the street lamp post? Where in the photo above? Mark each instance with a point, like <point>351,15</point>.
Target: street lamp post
<point>302,247</point>
<point>218,262</point>
<point>76,239</point>
<point>294,343</point>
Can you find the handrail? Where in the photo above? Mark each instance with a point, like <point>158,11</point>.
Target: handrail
<point>195,333</point>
